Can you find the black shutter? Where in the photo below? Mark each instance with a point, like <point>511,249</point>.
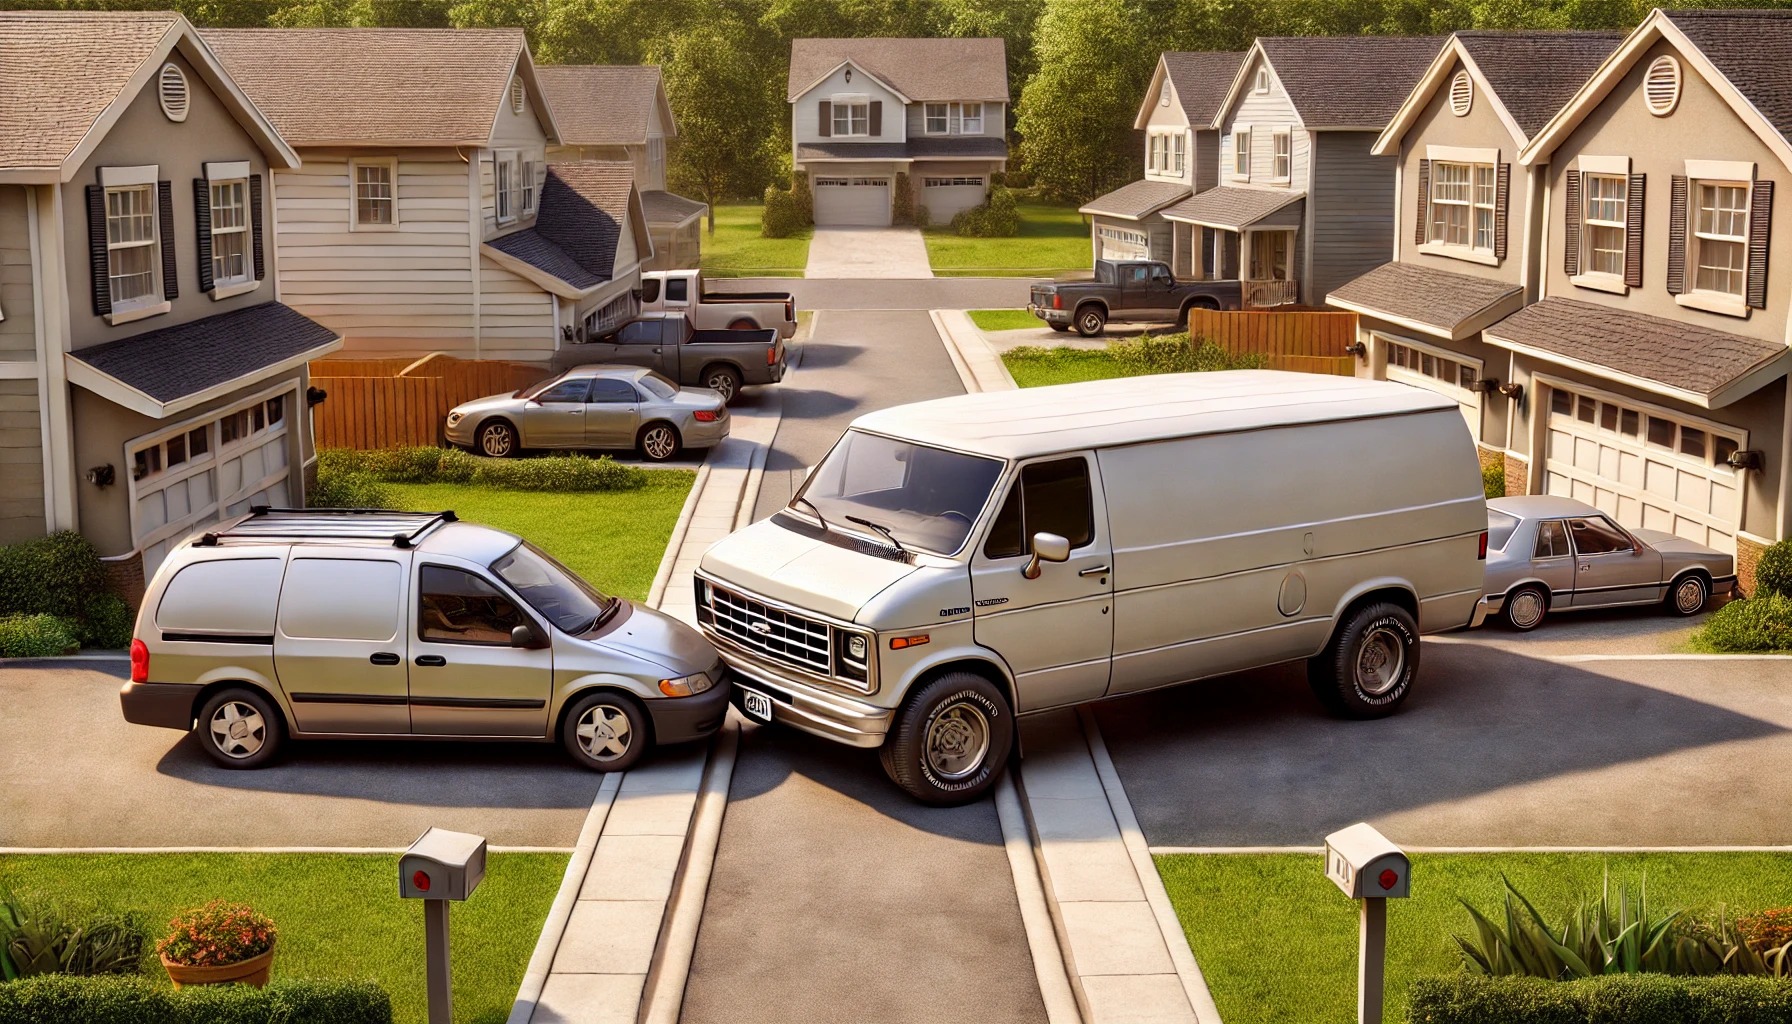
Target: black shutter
<point>877,117</point>
<point>255,224</point>
<point>1677,236</point>
<point>1633,233</point>
<point>1571,214</point>
<point>170,268</point>
<point>1760,229</point>
<point>826,120</point>
<point>1418,229</point>
<point>202,226</point>
<point>1502,193</point>
<point>96,250</point>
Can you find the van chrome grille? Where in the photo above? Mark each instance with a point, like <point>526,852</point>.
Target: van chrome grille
<point>772,631</point>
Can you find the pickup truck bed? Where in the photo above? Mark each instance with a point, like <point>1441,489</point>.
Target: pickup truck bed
<point>722,360</point>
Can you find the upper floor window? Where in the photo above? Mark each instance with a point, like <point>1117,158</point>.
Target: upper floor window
<point>938,118</point>
<point>1179,142</point>
<point>230,232</point>
<point>1241,153</point>
<point>528,185</point>
<point>1283,155</point>
<point>375,193</point>
<point>131,245</point>
<point>852,118</point>
<point>972,122</point>
<point>510,197</point>
<point>1262,80</point>
<point>1462,202</point>
<point>1154,153</point>
<point>1720,234</point>
<point>1607,210</point>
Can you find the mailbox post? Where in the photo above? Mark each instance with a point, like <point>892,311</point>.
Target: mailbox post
<point>1369,868</point>
<point>440,866</point>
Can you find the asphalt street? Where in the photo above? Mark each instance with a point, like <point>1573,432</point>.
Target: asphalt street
<point>922,294</point>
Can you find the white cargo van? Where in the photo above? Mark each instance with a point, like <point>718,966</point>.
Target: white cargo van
<point>956,562</point>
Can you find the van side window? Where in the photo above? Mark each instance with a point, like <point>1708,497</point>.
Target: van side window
<point>457,607</point>
<point>1552,539</point>
<point>1051,497</point>
<point>678,289</point>
<point>1597,536</point>
<point>341,599</point>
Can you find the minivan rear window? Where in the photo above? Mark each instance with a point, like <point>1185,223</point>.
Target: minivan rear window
<point>231,596</point>
<point>1499,529</point>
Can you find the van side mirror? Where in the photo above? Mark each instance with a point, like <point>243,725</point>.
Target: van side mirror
<point>1047,547</point>
<point>522,636</point>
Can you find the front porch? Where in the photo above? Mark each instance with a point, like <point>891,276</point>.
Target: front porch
<point>1251,236</point>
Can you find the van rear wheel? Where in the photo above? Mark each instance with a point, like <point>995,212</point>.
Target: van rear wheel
<point>950,740</point>
<point>1368,668</point>
<point>240,728</point>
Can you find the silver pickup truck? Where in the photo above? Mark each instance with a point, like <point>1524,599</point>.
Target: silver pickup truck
<point>684,291</point>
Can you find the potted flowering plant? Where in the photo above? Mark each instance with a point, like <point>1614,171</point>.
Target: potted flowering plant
<point>217,944</point>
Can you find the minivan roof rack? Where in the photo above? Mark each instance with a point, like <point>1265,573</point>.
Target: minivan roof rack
<point>403,529</point>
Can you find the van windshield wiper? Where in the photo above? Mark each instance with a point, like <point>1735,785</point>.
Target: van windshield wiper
<point>880,528</point>
<point>812,508</point>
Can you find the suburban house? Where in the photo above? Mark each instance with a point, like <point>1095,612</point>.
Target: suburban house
<point>620,112</point>
<point>1302,205</point>
<point>149,380</point>
<point>868,115</point>
<point>1181,158</point>
<point>425,217</point>
<point>1467,235</point>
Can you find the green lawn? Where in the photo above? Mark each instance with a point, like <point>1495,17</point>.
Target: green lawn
<point>737,249</point>
<point>338,915</point>
<point>1053,239</point>
<point>614,539</point>
<point>1034,367</point>
<point>1004,319</point>
<point>1276,941</point>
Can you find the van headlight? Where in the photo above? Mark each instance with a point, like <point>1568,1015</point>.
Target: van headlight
<point>852,651</point>
<point>686,686</point>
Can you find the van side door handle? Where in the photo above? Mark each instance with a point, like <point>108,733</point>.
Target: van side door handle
<point>384,658</point>
<point>1099,570</point>
<point>431,660</point>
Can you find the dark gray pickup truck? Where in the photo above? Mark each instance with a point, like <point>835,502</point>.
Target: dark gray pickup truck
<point>1130,291</point>
<point>719,360</point>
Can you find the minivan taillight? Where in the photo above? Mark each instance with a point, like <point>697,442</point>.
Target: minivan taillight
<point>139,662</point>
<point>1057,301</point>
<point>1483,554</point>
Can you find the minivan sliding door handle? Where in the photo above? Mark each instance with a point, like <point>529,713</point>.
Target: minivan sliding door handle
<point>384,658</point>
<point>431,660</point>
<point>1099,570</point>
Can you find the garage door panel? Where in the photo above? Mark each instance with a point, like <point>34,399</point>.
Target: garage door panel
<point>1608,462</point>
<point>1586,454</point>
<point>857,202</point>
<point>1659,479</point>
<point>1630,511</point>
<point>1695,491</point>
<point>1630,469</point>
<point>1723,502</point>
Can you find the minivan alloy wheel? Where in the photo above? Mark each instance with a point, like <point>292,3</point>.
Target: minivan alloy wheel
<point>238,730</point>
<point>958,740</point>
<point>1380,661</point>
<point>605,733</point>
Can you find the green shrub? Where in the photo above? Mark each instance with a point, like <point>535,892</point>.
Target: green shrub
<point>803,198</point>
<point>108,623</point>
<point>1493,479</point>
<point>1756,625</point>
<point>1177,353</point>
<point>38,936</point>
<point>1773,573</point>
<point>60,999</point>
<point>1615,999</point>
<point>998,217</point>
<point>344,473</point>
<point>37,636</point>
<point>902,204</point>
<point>782,216</point>
<point>217,934</point>
<point>350,490</point>
<point>55,574</point>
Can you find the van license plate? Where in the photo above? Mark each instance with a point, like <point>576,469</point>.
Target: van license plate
<point>757,705</point>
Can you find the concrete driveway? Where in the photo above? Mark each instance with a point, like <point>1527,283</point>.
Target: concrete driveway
<point>868,253</point>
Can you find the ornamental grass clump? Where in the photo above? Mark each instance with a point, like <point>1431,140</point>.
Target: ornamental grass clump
<point>217,934</point>
<point>1178,353</point>
<point>39,936</point>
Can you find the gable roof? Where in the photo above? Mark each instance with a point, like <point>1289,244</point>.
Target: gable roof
<point>67,76</point>
<point>571,249</point>
<point>1339,81</point>
<point>605,104</point>
<point>1201,80</point>
<point>917,69</point>
<point>384,86</point>
<point>1437,302</point>
<point>1136,199</point>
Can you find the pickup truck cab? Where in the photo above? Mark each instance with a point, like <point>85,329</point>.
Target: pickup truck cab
<point>684,291</point>
<point>1130,291</point>
<point>720,360</point>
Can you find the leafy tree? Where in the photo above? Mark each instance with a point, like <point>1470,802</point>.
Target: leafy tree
<point>1075,115</point>
<point>724,104</point>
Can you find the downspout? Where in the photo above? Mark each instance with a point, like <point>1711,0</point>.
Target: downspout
<point>475,233</point>
<point>50,291</point>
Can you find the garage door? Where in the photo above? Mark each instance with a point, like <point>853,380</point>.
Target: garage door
<point>852,201</point>
<point>947,196</point>
<point>1438,370</point>
<point>1646,467</point>
<point>1123,244</point>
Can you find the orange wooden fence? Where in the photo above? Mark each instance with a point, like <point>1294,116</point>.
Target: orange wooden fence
<point>386,403</point>
<point>1306,340</point>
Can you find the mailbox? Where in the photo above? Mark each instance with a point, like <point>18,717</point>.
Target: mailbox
<point>442,865</point>
<point>1366,865</point>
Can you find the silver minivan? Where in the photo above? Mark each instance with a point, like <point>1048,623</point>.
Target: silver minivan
<point>340,623</point>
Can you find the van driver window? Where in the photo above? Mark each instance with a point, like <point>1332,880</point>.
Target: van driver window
<point>678,289</point>
<point>456,607</point>
<point>641,332</point>
<point>570,391</point>
<point>1051,497</point>
<point>1594,536</point>
<point>1552,540</point>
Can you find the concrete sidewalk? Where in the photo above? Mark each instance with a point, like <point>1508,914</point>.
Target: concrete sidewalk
<point>868,253</point>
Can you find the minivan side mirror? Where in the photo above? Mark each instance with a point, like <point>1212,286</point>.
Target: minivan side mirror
<point>1047,547</point>
<point>522,636</point>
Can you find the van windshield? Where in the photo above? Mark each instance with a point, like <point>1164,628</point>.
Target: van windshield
<point>926,497</point>
<point>571,604</point>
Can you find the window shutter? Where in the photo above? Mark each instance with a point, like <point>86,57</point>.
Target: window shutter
<point>1677,236</point>
<point>877,117</point>
<point>170,268</point>
<point>96,250</point>
<point>202,223</point>
<point>1760,228</point>
<point>827,119</point>
<point>1571,214</point>
<point>1633,232</point>
<point>255,224</point>
<point>1418,229</point>
<point>1502,192</point>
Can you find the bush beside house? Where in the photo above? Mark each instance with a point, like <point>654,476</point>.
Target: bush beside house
<point>788,211</point>
<point>1761,623</point>
<point>54,595</point>
<point>999,217</point>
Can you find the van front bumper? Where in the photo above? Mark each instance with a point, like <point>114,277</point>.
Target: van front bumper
<point>805,706</point>
<point>164,705</point>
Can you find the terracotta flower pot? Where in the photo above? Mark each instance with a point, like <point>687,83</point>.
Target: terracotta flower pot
<point>253,971</point>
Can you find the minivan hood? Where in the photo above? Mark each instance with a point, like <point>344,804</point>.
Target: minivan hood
<point>807,572</point>
<point>658,638</point>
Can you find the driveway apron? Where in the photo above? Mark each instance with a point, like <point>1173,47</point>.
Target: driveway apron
<point>868,252</point>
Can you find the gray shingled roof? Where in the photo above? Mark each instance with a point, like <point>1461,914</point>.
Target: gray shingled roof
<point>60,69</point>
<point>668,208</point>
<point>186,359</point>
<point>1535,74</point>
<point>601,104</point>
<point>583,209</point>
<point>1202,79</point>
<point>979,147</point>
<point>1232,209</point>
<point>921,69</point>
<point>1753,49</point>
<point>1136,199</point>
<point>1436,298</point>
<point>1349,81</point>
<point>1680,355</point>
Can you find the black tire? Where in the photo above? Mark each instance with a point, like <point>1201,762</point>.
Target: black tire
<point>497,439</point>
<point>659,442</point>
<point>1525,607</point>
<point>724,380</point>
<point>1688,594</point>
<point>598,723</point>
<point>1182,317</point>
<point>241,728</point>
<point>1352,676</point>
<point>1060,328</point>
<point>950,740</point>
<point>1091,320</point>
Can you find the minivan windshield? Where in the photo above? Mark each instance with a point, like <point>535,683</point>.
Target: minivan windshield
<point>571,604</point>
<point>926,498</point>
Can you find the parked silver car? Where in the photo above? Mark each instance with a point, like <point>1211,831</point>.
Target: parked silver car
<point>1555,554</point>
<point>593,407</point>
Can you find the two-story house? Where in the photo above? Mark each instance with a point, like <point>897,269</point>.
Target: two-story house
<point>620,112</point>
<point>1302,205</point>
<point>149,381</point>
<point>1466,236</point>
<point>416,223</point>
<point>863,111</point>
<point>1181,159</point>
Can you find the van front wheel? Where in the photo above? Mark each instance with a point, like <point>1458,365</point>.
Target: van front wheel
<point>1368,668</point>
<point>950,740</point>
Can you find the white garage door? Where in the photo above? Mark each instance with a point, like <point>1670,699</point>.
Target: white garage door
<point>946,196</point>
<point>1437,370</point>
<point>1123,244</point>
<point>1646,467</point>
<point>852,201</point>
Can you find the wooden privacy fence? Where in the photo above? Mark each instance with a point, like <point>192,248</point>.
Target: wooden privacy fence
<point>1308,341</point>
<point>388,403</point>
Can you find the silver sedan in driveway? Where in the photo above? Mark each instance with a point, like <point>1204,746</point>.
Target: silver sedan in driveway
<point>1556,554</point>
<point>593,407</point>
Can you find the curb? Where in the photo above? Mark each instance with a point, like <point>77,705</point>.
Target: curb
<point>1035,913</point>
<point>979,366</point>
<point>657,590</point>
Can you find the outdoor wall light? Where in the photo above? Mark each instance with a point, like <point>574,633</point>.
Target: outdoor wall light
<point>1512,390</point>
<point>102,476</point>
<point>1487,385</point>
<point>1747,458</point>
<point>315,396</point>
<point>1357,349</point>
<point>566,332</point>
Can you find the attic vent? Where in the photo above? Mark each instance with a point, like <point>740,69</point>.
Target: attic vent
<point>1164,98</point>
<point>1462,93</point>
<point>171,88</point>
<point>1661,86</point>
<point>516,95</point>
<point>1262,79</point>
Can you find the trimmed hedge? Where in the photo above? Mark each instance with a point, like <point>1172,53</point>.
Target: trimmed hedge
<point>37,636</point>
<point>1758,625</point>
<point>453,466</point>
<point>64,999</point>
<point>999,217</point>
<point>1773,573</point>
<point>1615,999</point>
<point>57,575</point>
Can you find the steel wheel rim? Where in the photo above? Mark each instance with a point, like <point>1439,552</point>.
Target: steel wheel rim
<point>1091,323</point>
<point>605,733</point>
<point>1527,609</point>
<point>659,443</point>
<point>1380,661</point>
<point>1689,596</point>
<point>723,384</point>
<point>238,730</point>
<point>957,740</point>
<point>495,441</point>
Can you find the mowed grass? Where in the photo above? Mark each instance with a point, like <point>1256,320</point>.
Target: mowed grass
<point>1038,367</point>
<point>1276,940</point>
<point>1053,239</point>
<point>738,250</point>
<point>1004,319</point>
<point>614,539</point>
<point>338,915</point>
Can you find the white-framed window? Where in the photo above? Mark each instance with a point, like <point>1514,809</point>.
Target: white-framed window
<point>1462,201</point>
<point>852,117</point>
<point>1179,144</point>
<point>132,246</point>
<point>1241,153</point>
<point>1154,154</point>
<point>939,117</point>
<point>1607,206</point>
<point>949,182</point>
<point>1284,154</point>
<point>507,185</point>
<point>1719,260</point>
<point>1695,440</point>
<point>824,182</point>
<point>528,187</point>
<point>230,232</point>
<point>972,121</point>
<point>375,184</point>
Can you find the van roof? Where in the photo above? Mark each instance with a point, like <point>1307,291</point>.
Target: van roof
<point>435,532</point>
<point>1129,410</point>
